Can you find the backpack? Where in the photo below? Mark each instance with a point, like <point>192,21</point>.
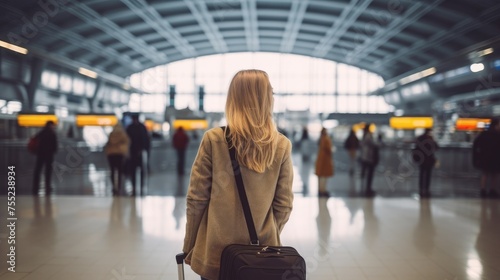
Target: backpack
<point>33,145</point>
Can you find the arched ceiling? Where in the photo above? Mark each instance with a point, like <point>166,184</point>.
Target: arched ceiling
<point>388,37</point>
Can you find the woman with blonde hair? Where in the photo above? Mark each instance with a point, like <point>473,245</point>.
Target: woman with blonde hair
<point>215,215</point>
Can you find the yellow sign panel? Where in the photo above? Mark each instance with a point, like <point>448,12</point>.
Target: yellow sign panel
<point>361,126</point>
<point>96,120</point>
<point>191,124</point>
<point>149,124</point>
<point>35,120</point>
<point>411,122</point>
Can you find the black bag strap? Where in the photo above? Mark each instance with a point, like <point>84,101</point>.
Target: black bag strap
<point>254,240</point>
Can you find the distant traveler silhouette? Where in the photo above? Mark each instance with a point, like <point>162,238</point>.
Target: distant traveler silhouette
<point>324,163</point>
<point>351,144</point>
<point>139,142</point>
<point>214,214</point>
<point>486,157</point>
<point>180,142</point>
<point>305,145</point>
<point>424,155</point>
<point>117,149</point>
<point>46,149</point>
<point>369,159</point>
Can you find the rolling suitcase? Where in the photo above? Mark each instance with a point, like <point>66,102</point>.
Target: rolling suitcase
<point>180,265</point>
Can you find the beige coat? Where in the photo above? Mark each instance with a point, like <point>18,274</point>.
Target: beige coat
<point>324,161</point>
<point>118,142</point>
<point>214,214</point>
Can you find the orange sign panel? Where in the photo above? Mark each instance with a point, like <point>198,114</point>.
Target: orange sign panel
<point>472,124</point>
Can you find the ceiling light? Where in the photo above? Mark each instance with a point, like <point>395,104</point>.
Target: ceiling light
<point>485,52</point>
<point>418,76</point>
<point>476,67</point>
<point>13,47</point>
<point>87,72</point>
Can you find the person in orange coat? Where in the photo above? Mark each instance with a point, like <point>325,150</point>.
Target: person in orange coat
<point>324,163</point>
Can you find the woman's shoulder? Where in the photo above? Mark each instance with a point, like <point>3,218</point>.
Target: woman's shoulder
<point>284,142</point>
<point>215,134</point>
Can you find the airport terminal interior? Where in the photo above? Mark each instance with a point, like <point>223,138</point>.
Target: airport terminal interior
<point>397,67</point>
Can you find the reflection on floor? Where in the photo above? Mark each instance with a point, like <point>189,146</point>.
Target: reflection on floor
<point>85,237</point>
<point>82,232</point>
<point>92,178</point>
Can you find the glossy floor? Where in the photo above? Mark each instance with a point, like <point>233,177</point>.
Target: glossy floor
<point>85,237</point>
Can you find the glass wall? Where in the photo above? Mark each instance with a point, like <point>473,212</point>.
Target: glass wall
<point>299,83</point>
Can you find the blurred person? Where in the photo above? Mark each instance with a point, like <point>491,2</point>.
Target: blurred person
<point>424,155</point>
<point>369,159</point>
<point>324,163</point>
<point>139,142</point>
<point>305,145</point>
<point>46,148</point>
<point>180,142</point>
<point>214,214</point>
<point>117,149</point>
<point>486,157</point>
<point>351,144</point>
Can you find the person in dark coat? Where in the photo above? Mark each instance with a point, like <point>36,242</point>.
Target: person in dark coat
<point>180,142</point>
<point>139,142</point>
<point>305,145</point>
<point>486,157</point>
<point>369,159</point>
<point>46,149</point>
<point>424,156</point>
<point>351,144</point>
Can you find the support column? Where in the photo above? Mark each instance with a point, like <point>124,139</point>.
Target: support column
<point>201,99</point>
<point>37,67</point>
<point>95,97</point>
<point>336,93</point>
<point>172,96</point>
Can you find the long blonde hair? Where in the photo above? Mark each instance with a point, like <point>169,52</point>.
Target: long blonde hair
<point>249,114</point>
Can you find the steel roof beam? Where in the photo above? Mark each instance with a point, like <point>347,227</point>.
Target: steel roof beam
<point>467,25</point>
<point>295,17</point>
<point>91,17</point>
<point>411,15</point>
<point>160,25</point>
<point>341,25</point>
<point>249,10</point>
<point>93,47</point>
<point>206,22</point>
<point>73,39</point>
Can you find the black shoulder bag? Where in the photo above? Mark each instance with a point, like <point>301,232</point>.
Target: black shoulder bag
<point>254,261</point>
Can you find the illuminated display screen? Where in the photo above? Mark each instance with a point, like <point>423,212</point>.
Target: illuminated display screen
<point>191,124</point>
<point>96,120</point>
<point>35,120</point>
<point>472,124</point>
<point>411,122</point>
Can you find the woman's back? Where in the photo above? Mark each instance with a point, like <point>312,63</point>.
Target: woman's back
<point>214,213</point>
<point>218,213</point>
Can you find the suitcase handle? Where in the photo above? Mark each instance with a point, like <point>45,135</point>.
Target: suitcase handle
<point>180,265</point>
<point>180,258</point>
